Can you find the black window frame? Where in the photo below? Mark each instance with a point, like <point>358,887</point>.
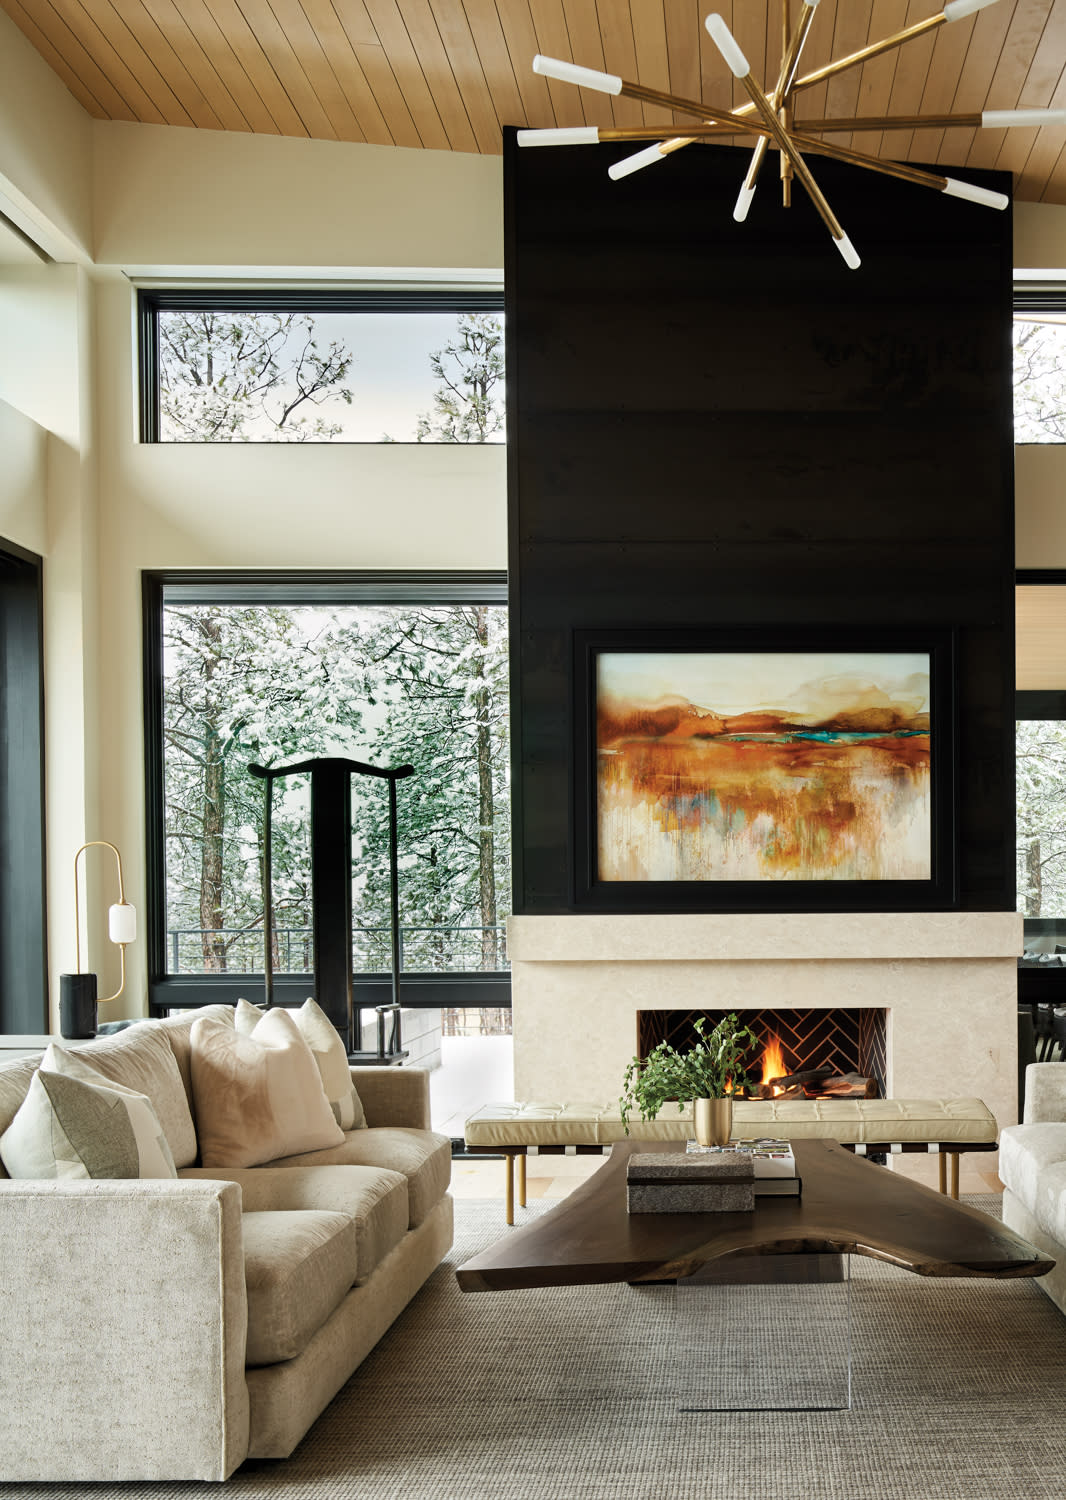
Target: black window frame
<point>166,992</point>
<point>1038,297</point>
<point>23,856</point>
<point>152,301</point>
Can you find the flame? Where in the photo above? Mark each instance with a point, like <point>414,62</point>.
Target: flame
<point>773,1061</point>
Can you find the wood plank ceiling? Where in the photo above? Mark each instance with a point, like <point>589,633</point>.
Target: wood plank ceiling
<point>446,74</point>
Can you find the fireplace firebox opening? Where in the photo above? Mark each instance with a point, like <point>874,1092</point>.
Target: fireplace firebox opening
<point>804,1054</point>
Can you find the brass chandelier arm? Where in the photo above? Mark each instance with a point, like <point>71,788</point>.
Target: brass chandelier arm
<point>687,106</point>
<point>874,163</point>
<point>875,49</point>
<point>799,166</point>
<point>789,64</point>
<point>893,122</point>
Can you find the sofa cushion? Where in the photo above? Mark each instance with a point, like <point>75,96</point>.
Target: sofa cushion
<point>374,1199</point>
<point>1024,1152</point>
<point>424,1158</point>
<point>297,1268</point>
<point>329,1052</point>
<point>141,1059</point>
<point>68,1127</point>
<point>178,1031</point>
<point>257,1097</point>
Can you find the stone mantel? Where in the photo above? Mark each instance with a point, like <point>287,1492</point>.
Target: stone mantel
<point>946,980</point>
<point>748,938</point>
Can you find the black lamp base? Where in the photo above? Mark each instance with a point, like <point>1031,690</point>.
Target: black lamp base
<point>77,1005</point>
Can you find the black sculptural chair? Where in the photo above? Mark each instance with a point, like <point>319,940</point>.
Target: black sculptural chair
<point>331,895</point>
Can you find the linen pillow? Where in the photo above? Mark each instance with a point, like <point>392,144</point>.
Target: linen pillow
<point>257,1097</point>
<point>75,1123</point>
<point>330,1053</point>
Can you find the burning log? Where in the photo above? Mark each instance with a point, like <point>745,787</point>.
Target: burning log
<point>818,1083</point>
<point>850,1086</point>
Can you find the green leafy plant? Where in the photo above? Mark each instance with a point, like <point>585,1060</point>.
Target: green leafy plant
<point>712,1069</point>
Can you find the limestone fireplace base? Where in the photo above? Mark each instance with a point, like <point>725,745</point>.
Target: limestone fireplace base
<point>948,981</point>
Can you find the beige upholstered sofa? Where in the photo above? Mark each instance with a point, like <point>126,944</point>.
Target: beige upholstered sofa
<point>1032,1167</point>
<point>170,1328</point>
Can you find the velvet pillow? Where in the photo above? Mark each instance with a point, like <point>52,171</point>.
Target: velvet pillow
<point>74,1122</point>
<point>257,1097</point>
<point>330,1053</point>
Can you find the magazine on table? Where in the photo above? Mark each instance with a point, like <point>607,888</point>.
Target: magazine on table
<point>773,1162</point>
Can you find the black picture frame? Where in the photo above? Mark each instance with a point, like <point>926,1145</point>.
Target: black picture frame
<point>937,893</point>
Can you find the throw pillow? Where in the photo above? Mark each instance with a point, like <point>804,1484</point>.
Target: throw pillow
<point>257,1097</point>
<point>75,1123</point>
<point>330,1054</point>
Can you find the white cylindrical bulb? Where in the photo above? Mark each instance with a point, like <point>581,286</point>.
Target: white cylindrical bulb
<point>955,10</point>
<point>563,135</point>
<point>122,923</point>
<point>584,78</point>
<point>1004,119</point>
<point>957,189</point>
<point>848,251</point>
<point>743,203</point>
<point>646,158</point>
<point>726,43</point>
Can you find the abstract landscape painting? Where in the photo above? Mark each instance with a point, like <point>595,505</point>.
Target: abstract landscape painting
<point>763,765</point>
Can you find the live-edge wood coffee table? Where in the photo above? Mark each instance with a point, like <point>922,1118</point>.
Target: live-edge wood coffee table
<point>848,1206</point>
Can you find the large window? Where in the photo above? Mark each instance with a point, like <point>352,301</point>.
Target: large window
<point>1039,364</point>
<point>372,367</point>
<point>383,670</point>
<point>1041,759</point>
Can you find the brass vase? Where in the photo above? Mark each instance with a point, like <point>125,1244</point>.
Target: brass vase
<point>713,1119</point>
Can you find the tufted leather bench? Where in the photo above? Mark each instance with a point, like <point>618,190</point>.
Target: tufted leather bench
<point>946,1127</point>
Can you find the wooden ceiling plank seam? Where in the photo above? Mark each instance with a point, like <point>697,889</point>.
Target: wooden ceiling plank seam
<point>907,83</point>
<point>433,59</point>
<point>1032,175</point>
<point>268,31</point>
<point>323,19</point>
<point>317,68</point>
<point>407,68</point>
<point>683,51</point>
<point>187,43</point>
<point>377,69</point>
<point>231,71</point>
<point>987,37</point>
<point>851,32</point>
<point>468,73</point>
<point>153,62</point>
<point>950,46</point>
<point>653,65</point>
<point>495,59</point>
<point>877,76</point>
<point>583,28</point>
<point>1023,34</point>
<point>817,52</point>
<point>57,38</point>
<point>98,42</point>
<point>553,40</point>
<point>1027,153</point>
<point>262,75</point>
<point>520,39</point>
<point>620,56</point>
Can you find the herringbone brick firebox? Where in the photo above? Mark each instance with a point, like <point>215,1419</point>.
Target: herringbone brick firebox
<point>846,1040</point>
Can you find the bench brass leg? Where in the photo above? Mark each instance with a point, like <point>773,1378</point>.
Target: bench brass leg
<point>942,1168</point>
<point>954,1174</point>
<point>522,1180</point>
<point>509,1187</point>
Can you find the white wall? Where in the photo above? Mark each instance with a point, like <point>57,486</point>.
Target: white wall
<point>45,150</point>
<point>23,480</point>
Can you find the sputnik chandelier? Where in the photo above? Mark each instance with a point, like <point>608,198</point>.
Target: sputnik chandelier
<point>772,117</point>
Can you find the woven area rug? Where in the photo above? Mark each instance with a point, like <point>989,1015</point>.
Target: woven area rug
<point>959,1391</point>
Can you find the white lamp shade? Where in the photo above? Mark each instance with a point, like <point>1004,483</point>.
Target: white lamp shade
<point>122,922</point>
<point>955,10</point>
<point>726,43</point>
<point>568,72</point>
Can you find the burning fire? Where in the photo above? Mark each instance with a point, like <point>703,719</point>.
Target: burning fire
<point>773,1062</point>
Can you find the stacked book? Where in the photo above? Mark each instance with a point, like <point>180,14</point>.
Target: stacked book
<point>773,1163</point>
<point>710,1179</point>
